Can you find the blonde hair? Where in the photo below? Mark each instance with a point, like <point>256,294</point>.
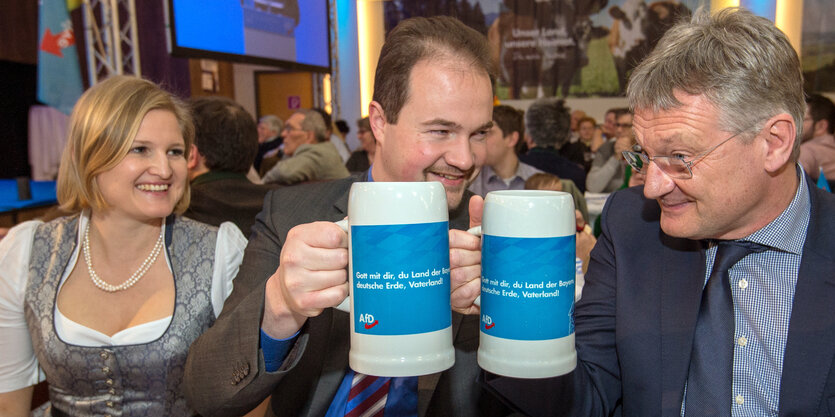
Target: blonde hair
<point>543,181</point>
<point>102,127</point>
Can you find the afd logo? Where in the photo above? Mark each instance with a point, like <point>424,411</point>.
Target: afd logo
<point>488,322</point>
<point>368,320</point>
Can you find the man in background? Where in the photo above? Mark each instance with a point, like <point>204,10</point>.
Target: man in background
<point>817,151</point>
<point>609,124</point>
<point>224,146</point>
<point>338,141</point>
<point>502,169</point>
<point>547,132</point>
<point>608,169</point>
<point>308,153</point>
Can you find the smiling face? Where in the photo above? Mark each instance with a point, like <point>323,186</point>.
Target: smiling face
<point>727,197</point>
<point>366,138</point>
<point>441,129</point>
<point>151,179</point>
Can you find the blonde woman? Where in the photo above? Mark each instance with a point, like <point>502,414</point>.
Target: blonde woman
<point>105,303</point>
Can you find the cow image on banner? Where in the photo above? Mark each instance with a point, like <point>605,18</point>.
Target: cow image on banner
<point>546,48</point>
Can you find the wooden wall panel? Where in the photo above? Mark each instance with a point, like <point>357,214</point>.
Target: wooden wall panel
<point>224,83</point>
<point>277,92</point>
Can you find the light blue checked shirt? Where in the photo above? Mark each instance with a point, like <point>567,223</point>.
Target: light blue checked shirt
<point>762,287</point>
<point>488,180</point>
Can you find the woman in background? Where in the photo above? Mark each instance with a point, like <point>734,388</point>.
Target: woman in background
<point>363,157</point>
<point>106,302</point>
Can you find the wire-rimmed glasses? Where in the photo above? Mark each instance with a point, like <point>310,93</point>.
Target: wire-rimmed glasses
<point>675,166</point>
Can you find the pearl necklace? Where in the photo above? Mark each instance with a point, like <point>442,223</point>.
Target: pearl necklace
<point>98,282</point>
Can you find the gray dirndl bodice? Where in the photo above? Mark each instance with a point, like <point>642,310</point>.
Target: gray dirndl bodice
<point>132,380</point>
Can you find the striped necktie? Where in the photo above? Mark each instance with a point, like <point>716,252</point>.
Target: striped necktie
<point>367,397</point>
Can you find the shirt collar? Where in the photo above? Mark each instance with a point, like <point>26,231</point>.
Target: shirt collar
<point>489,174</point>
<point>788,231</point>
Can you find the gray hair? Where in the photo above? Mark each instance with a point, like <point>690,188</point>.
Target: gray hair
<point>548,122</point>
<point>313,122</point>
<point>740,62</point>
<point>273,122</point>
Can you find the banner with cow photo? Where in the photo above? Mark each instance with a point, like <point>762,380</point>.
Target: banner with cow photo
<point>546,48</point>
<point>818,46</point>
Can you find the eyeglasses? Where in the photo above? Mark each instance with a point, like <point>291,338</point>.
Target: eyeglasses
<point>624,125</point>
<point>675,166</point>
<point>288,128</point>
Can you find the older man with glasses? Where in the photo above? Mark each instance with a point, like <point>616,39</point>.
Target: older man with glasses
<point>608,169</point>
<point>308,153</point>
<point>710,291</point>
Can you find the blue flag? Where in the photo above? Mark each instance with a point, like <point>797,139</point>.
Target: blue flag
<point>822,182</point>
<point>59,76</point>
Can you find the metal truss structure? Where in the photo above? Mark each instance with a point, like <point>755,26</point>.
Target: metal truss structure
<point>111,38</point>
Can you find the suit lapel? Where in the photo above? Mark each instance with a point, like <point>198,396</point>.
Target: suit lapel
<point>335,364</point>
<point>341,202</point>
<point>811,340</point>
<point>682,280</point>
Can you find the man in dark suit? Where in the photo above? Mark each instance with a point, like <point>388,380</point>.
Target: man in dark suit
<point>277,334</point>
<point>670,323</point>
<point>547,133</point>
<point>224,145</point>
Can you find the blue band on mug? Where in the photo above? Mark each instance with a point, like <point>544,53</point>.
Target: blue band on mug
<point>401,278</point>
<point>527,287</point>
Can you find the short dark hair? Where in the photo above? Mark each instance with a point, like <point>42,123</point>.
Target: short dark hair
<point>420,38</point>
<point>342,127</point>
<point>225,134</point>
<point>548,122</point>
<point>822,108</point>
<point>508,119</point>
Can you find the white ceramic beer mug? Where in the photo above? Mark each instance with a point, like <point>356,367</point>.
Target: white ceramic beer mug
<point>527,284</point>
<point>399,278</point>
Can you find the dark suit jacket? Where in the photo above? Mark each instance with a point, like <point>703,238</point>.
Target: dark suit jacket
<point>265,147</point>
<point>635,321</point>
<point>217,197</point>
<point>225,372</point>
<point>358,162</point>
<point>549,160</point>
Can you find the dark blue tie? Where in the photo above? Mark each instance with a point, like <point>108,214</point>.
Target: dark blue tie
<point>711,364</point>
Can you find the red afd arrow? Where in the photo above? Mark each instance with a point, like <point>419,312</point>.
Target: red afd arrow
<point>53,43</point>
